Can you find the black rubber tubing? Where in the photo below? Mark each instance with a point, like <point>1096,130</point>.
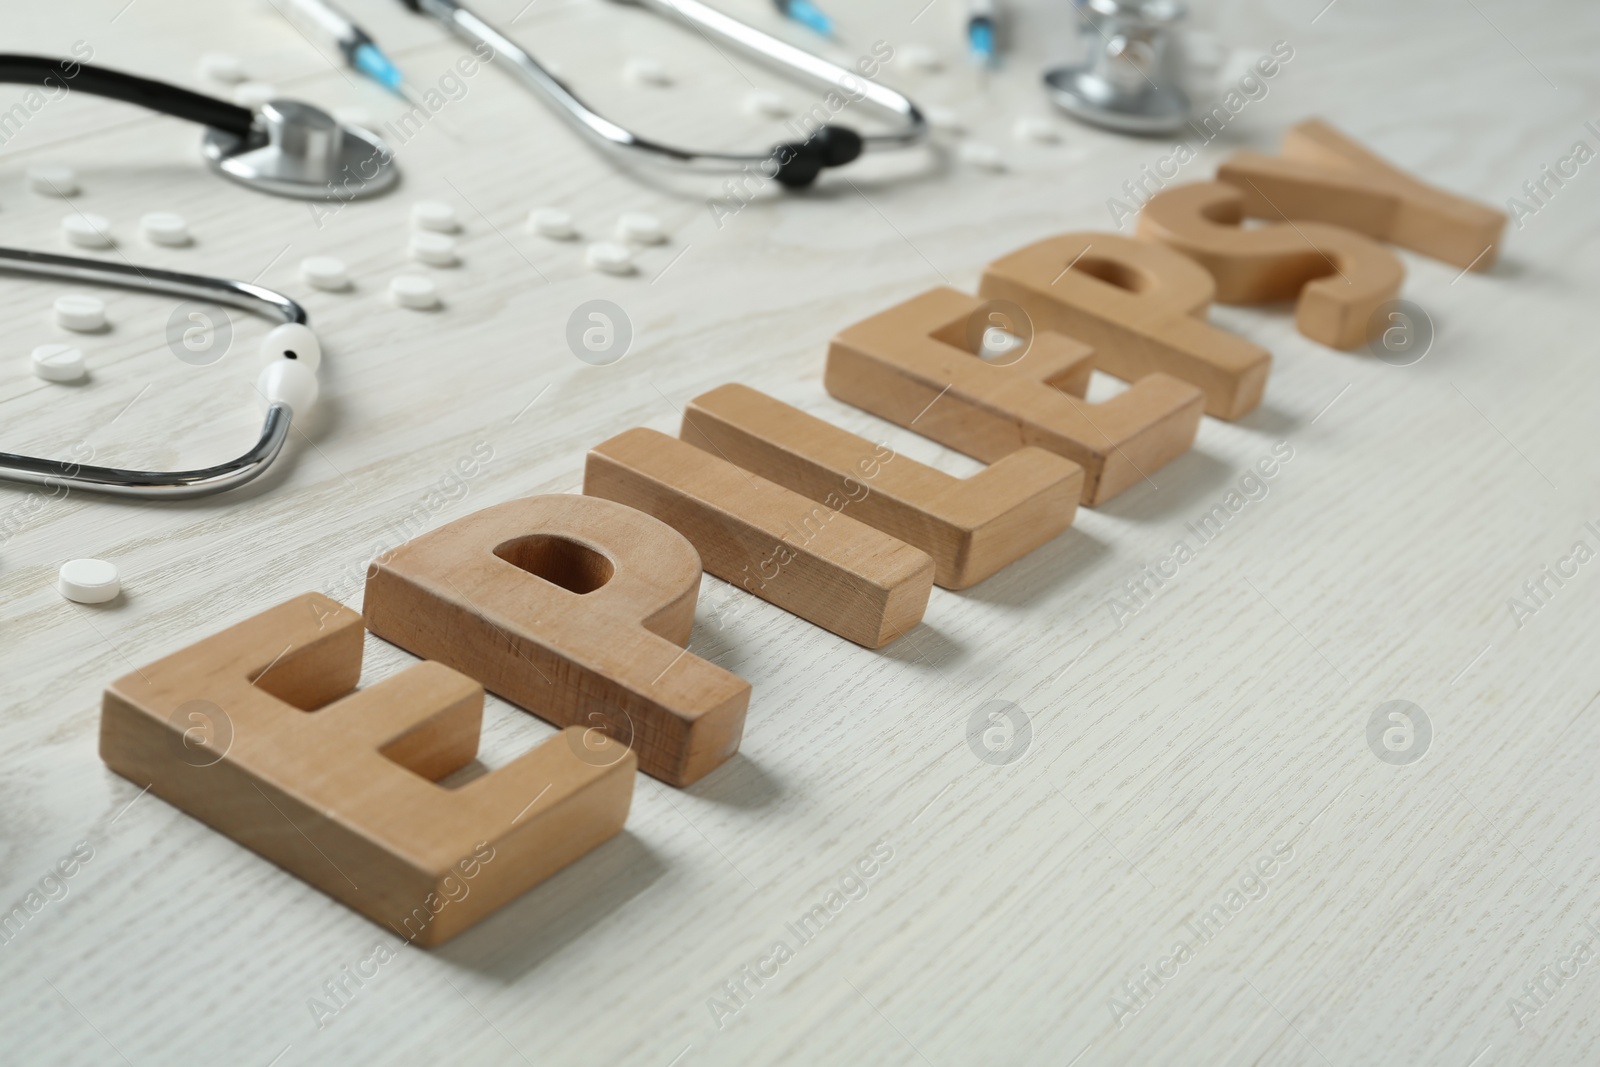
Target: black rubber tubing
<point>129,88</point>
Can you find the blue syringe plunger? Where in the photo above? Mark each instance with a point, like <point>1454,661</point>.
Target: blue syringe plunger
<point>377,66</point>
<point>809,15</point>
<point>980,38</point>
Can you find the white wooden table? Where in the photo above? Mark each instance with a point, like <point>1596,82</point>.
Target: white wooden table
<point>1222,726</point>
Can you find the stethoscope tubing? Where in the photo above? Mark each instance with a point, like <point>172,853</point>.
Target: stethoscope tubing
<point>70,75</point>
<point>780,55</point>
<point>246,296</point>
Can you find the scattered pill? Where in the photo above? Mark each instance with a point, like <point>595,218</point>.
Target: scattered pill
<point>646,72</point>
<point>414,291</point>
<point>608,257</point>
<point>253,94</point>
<point>58,363</point>
<point>52,180</point>
<point>85,314</point>
<point>434,215</point>
<point>641,229</point>
<point>1036,128</point>
<point>998,343</point>
<point>978,154</point>
<point>1236,63</point>
<point>164,228</point>
<point>922,58</point>
<point>89,581</point>
<point>325,272</point>
<point>767,104</point>
<point>434,249</point>
<point>222,67</point>
<point>1203,55</point>
<point>944,120</point>
<point>86,231</point>
<point>553,223</point>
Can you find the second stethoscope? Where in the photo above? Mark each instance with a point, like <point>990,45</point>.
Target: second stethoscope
<point>287,384</point>
<point>794,164</point>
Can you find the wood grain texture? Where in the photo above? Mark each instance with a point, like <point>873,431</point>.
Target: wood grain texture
<point>1169,752</point>
<point>576,610</point>
<point>810,558</point>
<point>258,732</point>
<point>1337,277</point>
<point>1141,306</point>
<point>972,527</point>
<point>1324,175</point>
<point>914,364</point>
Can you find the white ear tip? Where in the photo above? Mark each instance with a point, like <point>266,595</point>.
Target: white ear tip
<point>288,382</point>
<point>292,342</point>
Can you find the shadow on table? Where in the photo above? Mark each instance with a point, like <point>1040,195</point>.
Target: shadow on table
<point>739,783</point>
<point>1185,485</point>
<point>1269,420</point>
<point>924,649</point>
<point>540,923</point>
<point>1055,564</point>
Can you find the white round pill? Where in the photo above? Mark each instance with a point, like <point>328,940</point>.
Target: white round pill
<point>641,229</point>
<point>253,94</point>
<point>978,154</point>
<point>764,103</point>
<point>921,58</point>
<point>222,67</point>
<point>434,215</point>
<point>553,223</point>
<point>58,363</point>
<point>164,228</point>
<point>608,257</point>
<point>52,180</point>
<point>292,341</point>
<point>434,249</point>
<point>89,581</point>
<point>86,231</point>
<point>944,120</point>
<point>414,291</point>
<point>998,343</point>
<point>1036,128</point>
<point>642,71</point>
<point>325,272</point>
<point>85,314</point>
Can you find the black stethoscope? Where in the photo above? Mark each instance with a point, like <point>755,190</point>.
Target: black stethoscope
<point>287,147</point>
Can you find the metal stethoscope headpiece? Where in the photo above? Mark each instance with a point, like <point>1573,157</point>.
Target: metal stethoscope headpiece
<point>287,148</point>
<point>288,382</point>
<point>794,164</point>
<point>1130,82</point>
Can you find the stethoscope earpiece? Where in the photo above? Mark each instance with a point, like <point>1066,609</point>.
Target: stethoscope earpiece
<point>292,342</point>
<point>799,163</point>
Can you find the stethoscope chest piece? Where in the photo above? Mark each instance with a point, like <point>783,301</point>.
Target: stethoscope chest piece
<point>1130,82</point>
<point>301,151</point>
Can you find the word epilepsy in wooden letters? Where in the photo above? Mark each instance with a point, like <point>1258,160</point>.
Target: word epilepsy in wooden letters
<point>579,608</point>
